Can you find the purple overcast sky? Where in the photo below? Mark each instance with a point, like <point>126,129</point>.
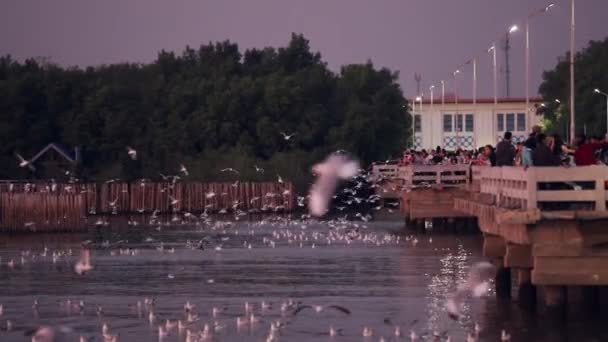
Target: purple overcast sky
<point>431,37</point>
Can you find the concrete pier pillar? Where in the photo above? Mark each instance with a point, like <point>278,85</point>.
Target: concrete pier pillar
<point>555,296</point>
<point>526,292</point>
<point>503,282</point>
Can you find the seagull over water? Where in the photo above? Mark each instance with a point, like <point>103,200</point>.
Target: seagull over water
<point>84,262</point>
<point>319,308</point>
<point>334,168</point>
<point>476,285</point>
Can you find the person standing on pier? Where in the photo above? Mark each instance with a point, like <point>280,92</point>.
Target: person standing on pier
<point>529,146</point>
<point>505,151</point>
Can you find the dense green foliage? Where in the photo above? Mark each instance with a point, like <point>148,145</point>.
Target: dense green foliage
<point>591,71</point>
<point>208,108</point>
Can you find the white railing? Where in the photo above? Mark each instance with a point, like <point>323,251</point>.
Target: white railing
<point>384,171</point>
<point>519,188</point>
<point>416,175</point>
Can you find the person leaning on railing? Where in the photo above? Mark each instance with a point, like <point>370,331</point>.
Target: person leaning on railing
<point>542,154</point>
<point>585,151</point>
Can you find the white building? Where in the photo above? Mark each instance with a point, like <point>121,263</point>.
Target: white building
<point>465,125</point>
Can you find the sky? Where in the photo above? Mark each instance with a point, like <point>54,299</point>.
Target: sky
<point>429,37</point>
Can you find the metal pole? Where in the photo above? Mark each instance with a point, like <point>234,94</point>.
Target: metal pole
<point>414,124</point>
<point>431,114</point>
<point>572,85</point>
<point>456,119</point>
<point>442,94</point>
<point>527,73</point>
<point>474,81</point>
<point>495,76</point>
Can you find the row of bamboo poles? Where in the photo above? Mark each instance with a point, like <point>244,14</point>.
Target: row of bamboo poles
<point>51,206</point>
<point>41,212</point>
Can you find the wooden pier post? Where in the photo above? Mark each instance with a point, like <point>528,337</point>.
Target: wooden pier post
<point>503,282</point>
<point>526,292</point>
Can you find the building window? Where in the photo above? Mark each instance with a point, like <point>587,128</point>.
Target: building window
<point>447,122</point>
<point>500,122</point>
<point>521,122</point>
<point>417,124</point>
<point>510,122</point>
<point>459,122</point>
<point>469,124</point>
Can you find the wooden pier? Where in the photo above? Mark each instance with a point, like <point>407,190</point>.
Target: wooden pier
<point>548,226</point>
<point>425,192</point>
<point>545,228</point>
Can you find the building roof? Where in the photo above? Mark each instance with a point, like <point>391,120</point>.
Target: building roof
<point>70,157</point>
<point>485,100</point>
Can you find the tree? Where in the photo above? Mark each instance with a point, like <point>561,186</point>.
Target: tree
<point>210,107</point>
<point>591,72</point>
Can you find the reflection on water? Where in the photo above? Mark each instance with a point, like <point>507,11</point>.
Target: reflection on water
<point>382,276</point>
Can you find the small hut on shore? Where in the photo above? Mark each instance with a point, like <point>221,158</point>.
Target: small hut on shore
<point>56,161</point>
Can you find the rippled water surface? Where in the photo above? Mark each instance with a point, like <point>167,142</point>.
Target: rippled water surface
<point>384,276</point>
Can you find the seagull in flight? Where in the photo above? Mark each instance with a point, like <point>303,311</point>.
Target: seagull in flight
<point>84,262</point>
<point>183,169</point>
<point>131,152</point>
<point>229,169</point>
<point>24,163</point>
<point>476,285</point>
<point>319,308</point>
<point>286,136</point>
<point>258,169</point>
<point>329,172</point>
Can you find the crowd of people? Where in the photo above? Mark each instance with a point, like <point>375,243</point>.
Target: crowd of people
<point>538,149</point>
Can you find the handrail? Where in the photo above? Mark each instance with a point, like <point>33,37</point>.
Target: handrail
<point>525,188</point>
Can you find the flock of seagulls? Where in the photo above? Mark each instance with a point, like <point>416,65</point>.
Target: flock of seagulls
<point>272,319</point>
<point>343,230</point>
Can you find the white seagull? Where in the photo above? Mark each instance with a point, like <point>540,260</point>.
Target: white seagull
<point>476,285</point>
<point>183,169</point>
<point>328,173</point>
<point>229,169</point>
<point>84,262</point>
<point>286,136</point>
<point>24,163</point>
<point>131,152</point>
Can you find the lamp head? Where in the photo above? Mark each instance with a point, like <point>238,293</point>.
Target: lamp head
<point>513,29</point>
<point>596,90</point>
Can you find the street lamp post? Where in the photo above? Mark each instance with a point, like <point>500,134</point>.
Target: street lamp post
<point>431,114</point>
<point>494,72</point>
<point>572,98</point>
<point>456,118</point>
<point>597,91</point>
<point>527,53</point>
<point>419,100</point>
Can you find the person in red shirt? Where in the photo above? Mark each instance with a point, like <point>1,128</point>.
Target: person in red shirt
<point>585,152</point>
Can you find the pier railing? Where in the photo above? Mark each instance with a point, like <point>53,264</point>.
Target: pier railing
<point>546,188</point>
<point>455,175</point>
